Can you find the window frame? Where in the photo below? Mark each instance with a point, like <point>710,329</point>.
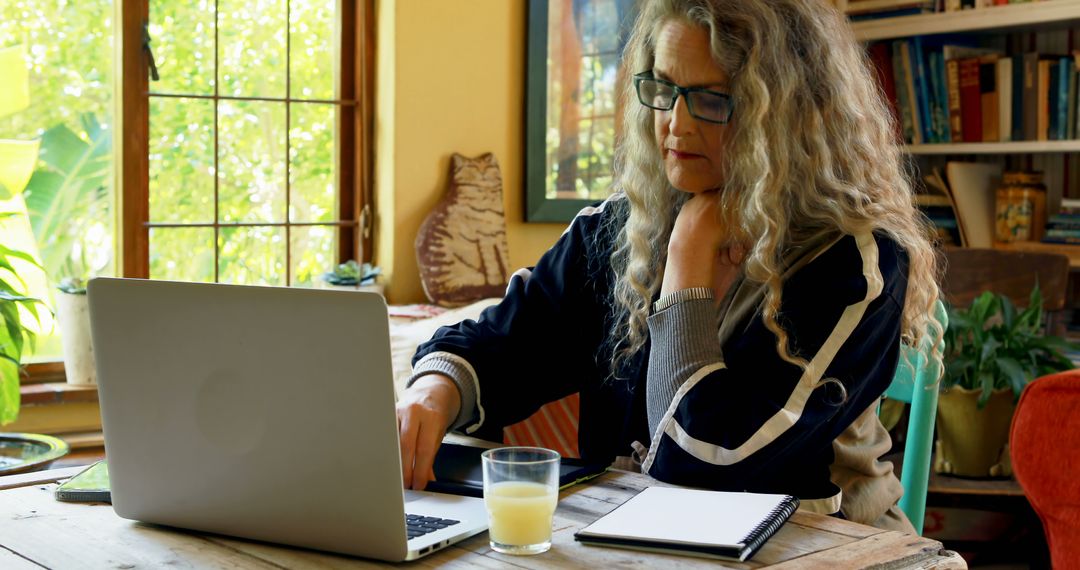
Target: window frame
<point>355,133</point>
<point>131,141</point>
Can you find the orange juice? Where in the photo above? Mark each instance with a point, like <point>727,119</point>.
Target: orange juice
<point>520,513</point>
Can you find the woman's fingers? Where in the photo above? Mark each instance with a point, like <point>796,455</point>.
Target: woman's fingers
<point>424,412</point>
<point>427,444</point>
<point>408,433</point>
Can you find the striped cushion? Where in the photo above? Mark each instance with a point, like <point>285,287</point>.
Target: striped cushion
<point>553,426</point>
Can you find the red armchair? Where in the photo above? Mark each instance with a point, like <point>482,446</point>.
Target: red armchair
<point>1045,447</point>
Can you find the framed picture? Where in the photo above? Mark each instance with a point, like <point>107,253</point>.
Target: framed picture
<point>573,82</point>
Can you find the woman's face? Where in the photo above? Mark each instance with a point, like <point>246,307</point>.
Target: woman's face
<point>692,149</point>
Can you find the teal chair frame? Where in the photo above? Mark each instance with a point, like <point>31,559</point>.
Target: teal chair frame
<point>915,383</point>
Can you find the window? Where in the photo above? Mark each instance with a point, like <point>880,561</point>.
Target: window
<point>247,161</point>
<point>254,138</point>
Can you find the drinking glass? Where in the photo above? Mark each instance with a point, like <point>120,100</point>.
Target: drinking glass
<point>521,488</point>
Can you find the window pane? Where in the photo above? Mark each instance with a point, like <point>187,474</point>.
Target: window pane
<point>182,254</point>
<point>251,158</point>
<point>313,163</point>
<point>313,49</point>
<point>251,47</point>
<point>181,160</point>
<point>252,256</point>
<point>64,217</point>
<point>182,39</point>
<point>313,253</point>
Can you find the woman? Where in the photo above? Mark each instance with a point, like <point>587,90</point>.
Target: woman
<point>733,313</point>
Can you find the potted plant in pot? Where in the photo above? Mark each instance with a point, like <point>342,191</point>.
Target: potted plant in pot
<point>18,451</point>
<point>992,350</point>
<point>73,316</point>
<point>354,276</point>
<point>15,337</point>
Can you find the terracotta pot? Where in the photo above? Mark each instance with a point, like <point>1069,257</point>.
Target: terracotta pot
<point>973,442</point>
<point>73,316</point>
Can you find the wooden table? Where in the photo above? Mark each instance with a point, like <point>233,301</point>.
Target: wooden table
<point>37,532</point>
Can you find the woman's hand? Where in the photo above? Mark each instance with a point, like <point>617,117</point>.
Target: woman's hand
<point>424,413</point>
<point>696,239</point>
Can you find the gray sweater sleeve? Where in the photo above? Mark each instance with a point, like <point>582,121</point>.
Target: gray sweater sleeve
<point>683,340</point>
<point>463,376</point>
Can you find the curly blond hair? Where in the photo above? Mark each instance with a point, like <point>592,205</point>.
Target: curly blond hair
<point>812,151</point>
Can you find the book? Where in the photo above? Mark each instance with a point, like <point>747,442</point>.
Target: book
<point>907,121</point>
<point>1061,110</point>
<point>988,92</point>
<point>1042,94</point>
<point>941,95</point>
<point>1017,97</point>
<point>952,79</point>
<point>922,91</point>
<point>883,67</point>
<point>908,74</point>
<point>973,187</point>
<point>936,202</point>
<point>971,100</point>
<point>714,524</point>
<point>1031,96</point>
<point>1005,105</point>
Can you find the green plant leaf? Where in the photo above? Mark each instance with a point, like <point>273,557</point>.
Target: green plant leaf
<point>72,184</point>
<point>1017,376</point>
<point>13,323</point>
<point>956,370</point>
<point>982,307</point>
<point>1008,312</point>
<point>8,252</point>
<point>9,391</point>
<point>986,382</point>
<point>17,160</point>
<point>988,348</point>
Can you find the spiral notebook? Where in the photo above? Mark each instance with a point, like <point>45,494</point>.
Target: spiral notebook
<point>689,521</point>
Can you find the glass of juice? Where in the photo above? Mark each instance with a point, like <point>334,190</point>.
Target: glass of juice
<point>521,488</point>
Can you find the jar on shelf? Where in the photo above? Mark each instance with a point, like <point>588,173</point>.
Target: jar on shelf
<point>1021,207</point>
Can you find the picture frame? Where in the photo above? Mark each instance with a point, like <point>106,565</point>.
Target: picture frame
<point>572,91</point>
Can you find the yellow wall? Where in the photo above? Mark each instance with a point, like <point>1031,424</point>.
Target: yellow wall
<point>450,79</point>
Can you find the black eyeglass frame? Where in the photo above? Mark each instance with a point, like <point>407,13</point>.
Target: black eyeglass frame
<point>683,92</point>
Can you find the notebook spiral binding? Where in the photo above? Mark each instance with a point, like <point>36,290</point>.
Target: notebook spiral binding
<point>772,523</point>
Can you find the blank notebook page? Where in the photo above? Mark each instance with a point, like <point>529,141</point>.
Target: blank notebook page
<point>687,516</point>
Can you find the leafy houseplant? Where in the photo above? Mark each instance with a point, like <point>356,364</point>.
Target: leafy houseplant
<point>992,345</point>
<point>992,350</point>
<point>352,274</point>
<point>14,336</point>
<point>16,167</point>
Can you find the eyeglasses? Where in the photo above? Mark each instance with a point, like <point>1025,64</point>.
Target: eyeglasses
<point>703,104</point>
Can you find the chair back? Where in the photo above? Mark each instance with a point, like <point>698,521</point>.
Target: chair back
<point>915,383</point>
<point>1044,445</point>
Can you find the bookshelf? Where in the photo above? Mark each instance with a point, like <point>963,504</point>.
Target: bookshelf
<point>1013,17</point>
<point>1045,27</point>
<point>1020,147</point>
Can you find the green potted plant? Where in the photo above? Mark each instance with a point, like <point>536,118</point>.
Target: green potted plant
<point>15,337</point>
<point>354,276</point>
<point>992,350</point>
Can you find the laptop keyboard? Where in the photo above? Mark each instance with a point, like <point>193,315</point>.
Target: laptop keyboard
<point>418,525</point>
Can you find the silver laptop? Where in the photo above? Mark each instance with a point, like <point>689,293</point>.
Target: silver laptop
<point>264,413</point>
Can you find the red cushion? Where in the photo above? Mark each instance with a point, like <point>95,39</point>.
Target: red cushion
<point>553,426</point>
<point>1045,447</point>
